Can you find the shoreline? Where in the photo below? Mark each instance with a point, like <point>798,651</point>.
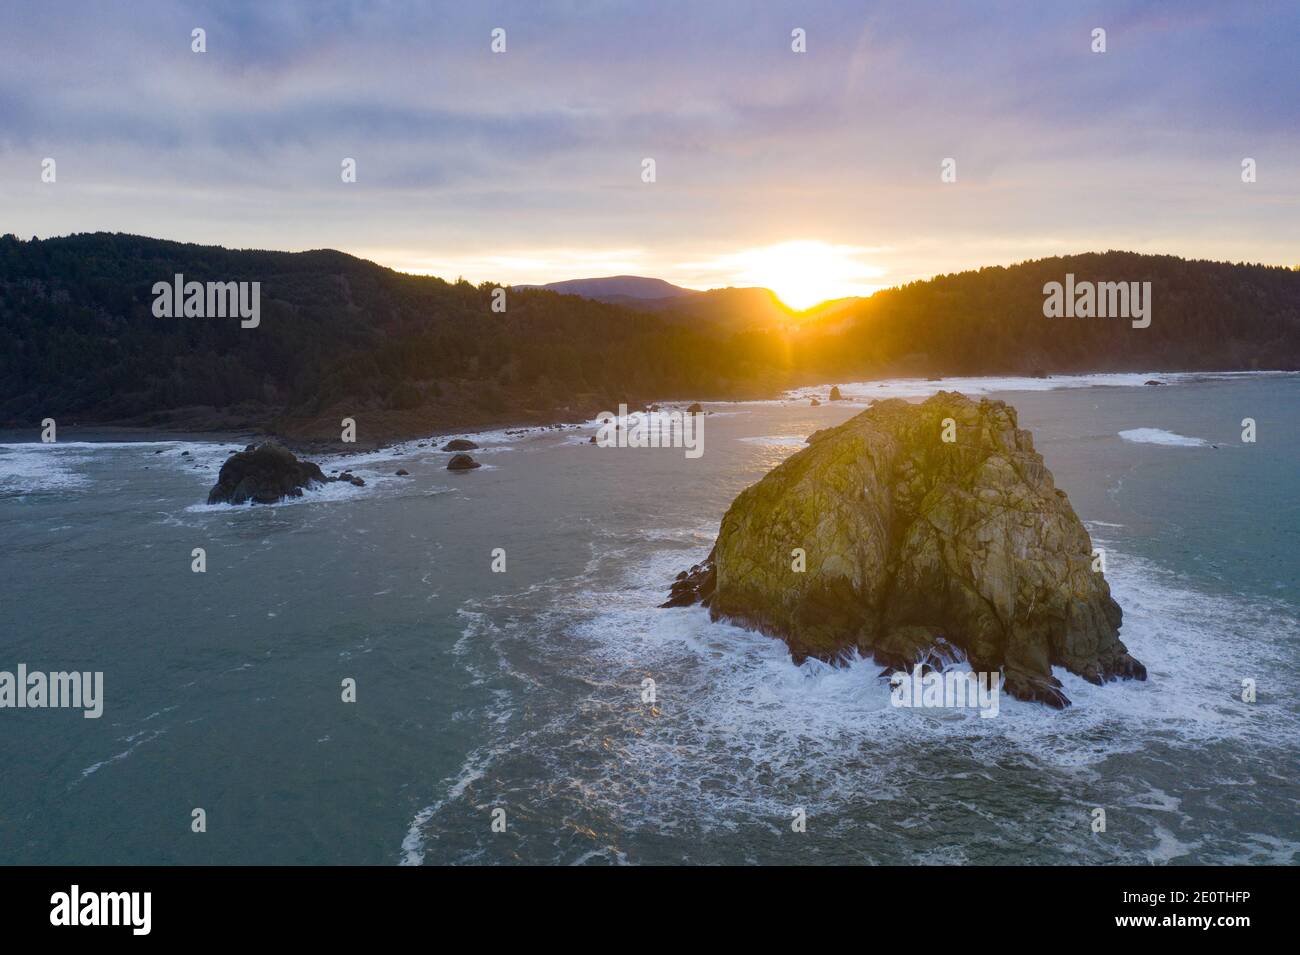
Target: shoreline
<point>391,435</point>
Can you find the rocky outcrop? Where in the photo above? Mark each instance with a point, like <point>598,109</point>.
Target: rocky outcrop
<point>462,462</point>
<point>460,444</point>
<point>263,474</point>
<point>695,585</point>
<point>695,408</point>
<point>835,393</point>
<point>911,530</point>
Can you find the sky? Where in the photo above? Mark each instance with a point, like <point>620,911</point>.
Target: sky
<point>816,173</point>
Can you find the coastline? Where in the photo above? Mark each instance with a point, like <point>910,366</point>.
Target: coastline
<point>385,429</point>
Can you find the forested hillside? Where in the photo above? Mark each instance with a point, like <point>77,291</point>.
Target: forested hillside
<point>342,336</point>
<point>1205,315</point>
<point>337,334</point>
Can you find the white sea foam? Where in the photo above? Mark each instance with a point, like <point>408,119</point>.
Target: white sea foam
<point>62,466</point>
<point>135,742</point>
<point>38,468</point>
<point>470,772</point>
<point>919,388</point>
<point>739,731</point>
<point>34,467</point>
<point>475,764</point>
<point>336,492</point>
<point>1160,436</point>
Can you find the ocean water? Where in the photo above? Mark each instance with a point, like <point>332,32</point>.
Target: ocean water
<point>522,691</point>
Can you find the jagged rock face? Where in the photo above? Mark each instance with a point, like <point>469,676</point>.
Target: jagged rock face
<point>263,474</point>
<point>914,543</point>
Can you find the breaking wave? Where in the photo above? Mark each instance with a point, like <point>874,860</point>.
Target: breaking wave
<point>738,734</point>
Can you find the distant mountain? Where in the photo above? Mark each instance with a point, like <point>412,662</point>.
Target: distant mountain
<point>406,355</point>
<point>725,309</point>
<point>728,308</point>
<point>617,288</point>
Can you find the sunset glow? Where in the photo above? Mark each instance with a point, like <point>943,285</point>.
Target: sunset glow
<point>600,434</point>
<point>802,273</point>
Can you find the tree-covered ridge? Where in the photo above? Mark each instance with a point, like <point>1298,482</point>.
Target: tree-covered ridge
<point>1206,315</point>
<point>78,336</point>
<point>342,336</point>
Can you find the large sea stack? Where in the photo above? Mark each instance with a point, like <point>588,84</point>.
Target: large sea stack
<point>916,546</point>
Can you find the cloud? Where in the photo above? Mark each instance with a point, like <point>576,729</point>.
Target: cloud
<point>484,160</point>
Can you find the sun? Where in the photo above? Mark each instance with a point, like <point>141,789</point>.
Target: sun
<point>804,273</point>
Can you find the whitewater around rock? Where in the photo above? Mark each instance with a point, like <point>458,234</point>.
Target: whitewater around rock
<point>919,533</point>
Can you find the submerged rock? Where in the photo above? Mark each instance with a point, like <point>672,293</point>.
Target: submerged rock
<point>462,462</point>
<point>460,444</point>
<point>263,474</point>
<point>913,545</point>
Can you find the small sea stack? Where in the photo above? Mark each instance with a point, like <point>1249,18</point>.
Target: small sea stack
<point>264,474</point>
